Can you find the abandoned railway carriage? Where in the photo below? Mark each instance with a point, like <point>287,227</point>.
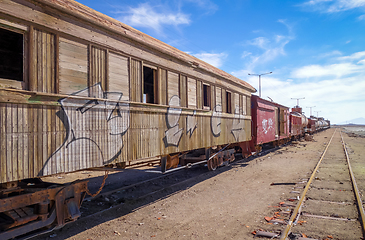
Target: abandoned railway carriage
<point>270,123</point>
<point>79,90</point>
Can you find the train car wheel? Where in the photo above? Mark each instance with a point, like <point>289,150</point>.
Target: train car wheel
<point>212,164</point>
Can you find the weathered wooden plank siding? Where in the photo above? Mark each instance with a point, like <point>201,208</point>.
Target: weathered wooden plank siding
<point>183,91</point>
<point>97,69</point>
<point>191,93</point>
<point>224,100</point>
<point>218,97</point>
<point>136,81</point>
<point>244,105</point>
<point>162,86</point>
<point>43,67</point>
<point>172,84</point>
<point>119,75</point>
<point>199,94</point>
<point>45,135</point>
<point>73,68</point>
<point>236,105</point>
<point>248,106</point>
<point>212,97</point>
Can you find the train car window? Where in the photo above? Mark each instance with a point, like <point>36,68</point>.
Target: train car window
<point>11,55</point>
<point>228,102</point>
<point>206,96</point>
<point>149,85</point>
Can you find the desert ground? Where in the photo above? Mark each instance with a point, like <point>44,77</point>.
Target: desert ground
<point>229,203</point>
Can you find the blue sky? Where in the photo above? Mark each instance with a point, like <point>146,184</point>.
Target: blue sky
<point>315,48</point>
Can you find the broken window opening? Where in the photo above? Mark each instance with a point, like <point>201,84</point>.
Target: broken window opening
<point>206,96</point>
<point>11,55</point>
<point>229,102</point>
<point>149,85</point>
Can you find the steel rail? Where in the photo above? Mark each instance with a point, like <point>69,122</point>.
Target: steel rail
<point>285,234</point>
<point>355,188</point>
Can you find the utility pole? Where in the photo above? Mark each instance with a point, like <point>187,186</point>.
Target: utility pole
<point>311,110</point>
<point>317,113</point>
<point>259,79</point>
<point>298,100</point>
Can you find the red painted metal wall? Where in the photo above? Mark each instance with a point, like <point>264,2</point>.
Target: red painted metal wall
<point>270,121</point>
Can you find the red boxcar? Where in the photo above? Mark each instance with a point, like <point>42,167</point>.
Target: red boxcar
<point>298,122</point>
<point>312,125</point>
<point>270,123</point>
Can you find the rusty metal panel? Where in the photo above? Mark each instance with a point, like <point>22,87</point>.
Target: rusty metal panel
<point>264,120</point>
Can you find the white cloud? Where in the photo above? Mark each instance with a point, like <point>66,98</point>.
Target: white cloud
<point>333,6</point>
<point>337,89</point>
<point>361,18</point>
<point>354,56</point>
<point>215,59</point>
<point>329,54</point>
<point>347,65</point>
<point>338,70</point>
<point>208,6</point>
<point>146,16</point>
<point>337,99</point>
<point>270,48</point>
<point>246,54</point>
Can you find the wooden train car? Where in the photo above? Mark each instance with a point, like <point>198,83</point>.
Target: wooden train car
<point>79,89</point>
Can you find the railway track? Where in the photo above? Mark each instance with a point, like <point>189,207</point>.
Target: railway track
<point>330,205</point>
<point>151,189</point>
<point>167,184</point>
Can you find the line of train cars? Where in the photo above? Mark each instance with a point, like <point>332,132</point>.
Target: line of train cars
<point>80,90</point>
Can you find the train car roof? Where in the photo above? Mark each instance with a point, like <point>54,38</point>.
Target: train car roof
<point>257,98</point>
<point>87,14</point>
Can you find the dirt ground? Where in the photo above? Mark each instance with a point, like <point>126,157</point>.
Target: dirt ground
<point>228,205</point>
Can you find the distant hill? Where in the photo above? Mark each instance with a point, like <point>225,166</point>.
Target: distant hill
<point>356,121</point>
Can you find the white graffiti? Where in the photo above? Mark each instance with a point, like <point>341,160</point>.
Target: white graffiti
<point>191,124</point>
<point>173,134</point>
<point>267,125</point>
<point>215,121</point>
<point>94,128</point>
<point>238,126</point>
